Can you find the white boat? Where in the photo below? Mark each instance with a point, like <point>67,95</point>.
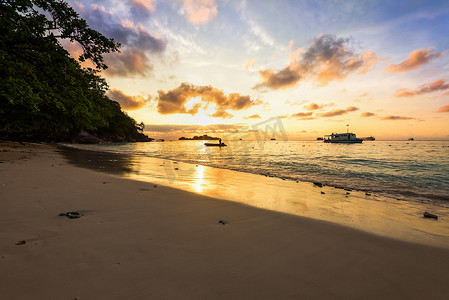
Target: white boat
<point>348,138</point>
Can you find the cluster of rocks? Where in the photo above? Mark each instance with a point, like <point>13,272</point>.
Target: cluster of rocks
<point>84,137</point>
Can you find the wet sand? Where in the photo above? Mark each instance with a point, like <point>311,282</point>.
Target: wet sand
<point>370,212</point>
<point>140,240</point>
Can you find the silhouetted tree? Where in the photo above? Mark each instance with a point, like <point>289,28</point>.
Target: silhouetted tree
<point>44,93</point>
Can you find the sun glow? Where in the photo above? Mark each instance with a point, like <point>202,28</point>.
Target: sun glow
<point>203,115</point>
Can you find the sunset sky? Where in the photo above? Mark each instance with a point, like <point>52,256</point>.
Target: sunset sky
<point>217,66</point>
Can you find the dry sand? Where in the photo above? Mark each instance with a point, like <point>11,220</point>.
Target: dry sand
<point>137,241</point>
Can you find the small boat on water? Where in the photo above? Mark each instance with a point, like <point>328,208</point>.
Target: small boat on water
<point>319,139</point>
<point>214,145</point>
<point>411,139</point>
<point>347,138</point>
<point>220,144</point>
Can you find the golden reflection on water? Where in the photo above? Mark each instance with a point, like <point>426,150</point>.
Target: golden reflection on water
<point>380,215</point>
<point>199,179</point>
<point>376,214</point>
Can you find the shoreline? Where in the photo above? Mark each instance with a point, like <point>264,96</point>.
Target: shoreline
<point>138,241</point>
<point>406,193</point>
<point>371,213</point>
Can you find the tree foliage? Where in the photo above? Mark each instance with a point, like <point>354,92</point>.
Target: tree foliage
<point>44,93</point>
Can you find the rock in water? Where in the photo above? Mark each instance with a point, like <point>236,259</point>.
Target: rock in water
<point>430,216</point>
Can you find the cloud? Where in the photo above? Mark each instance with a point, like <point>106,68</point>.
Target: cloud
<point>200,11</point>
<point>142,8</point>
<point>136,41</point>
<point>128,63</point>
<point>256,116</point>
<point>193,128</point>
<point>123,31</point>
<point>444,108</point>
<point>126,102</point>
<point>368,114</point>
<point>285,78</point>
<point>394,118</point>
<point>338,112</point>
<point>303,116</point>
<point>313,106</point>
<point>416,59</point>
<point>370,60</point>
<point>249,63</point>
<point>174,101</point>
<point>438,85</point>
<point>329,58</point>
<point>144,4</point>
<point>221,114</point>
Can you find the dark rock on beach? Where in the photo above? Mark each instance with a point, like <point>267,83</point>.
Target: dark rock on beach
<point>21,242</point>
<point>98,137</point>
<point>84,137</point>
<point>430,216</point>
<point>318,184</point>
<point>71,215</point>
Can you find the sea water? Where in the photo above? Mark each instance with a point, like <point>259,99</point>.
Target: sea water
<point>404,170</point>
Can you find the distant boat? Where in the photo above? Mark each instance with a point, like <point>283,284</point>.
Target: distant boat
<point>411,139</point>
<point>347,138</point>
<point>319,139</point>
<point>273,139</point>
<point>214,145</point>
<point>369,138</point>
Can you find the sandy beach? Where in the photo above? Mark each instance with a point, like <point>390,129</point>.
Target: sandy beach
<point>140,240</point>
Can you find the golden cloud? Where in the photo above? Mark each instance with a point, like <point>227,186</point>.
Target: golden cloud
<point>174,101</point>
<point>416,59</point>
<point>394,118</point>
<point>249,63</point>
<point>329,58</point>
<point>444,108</point>
<point>303,116</point>
<point>367,114</point>
<point>126,102</point>
<point>256,116</point>
<point>313,106</point>
<point>438,85</point>
<point>370,60</point>
<point>338,112</point>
